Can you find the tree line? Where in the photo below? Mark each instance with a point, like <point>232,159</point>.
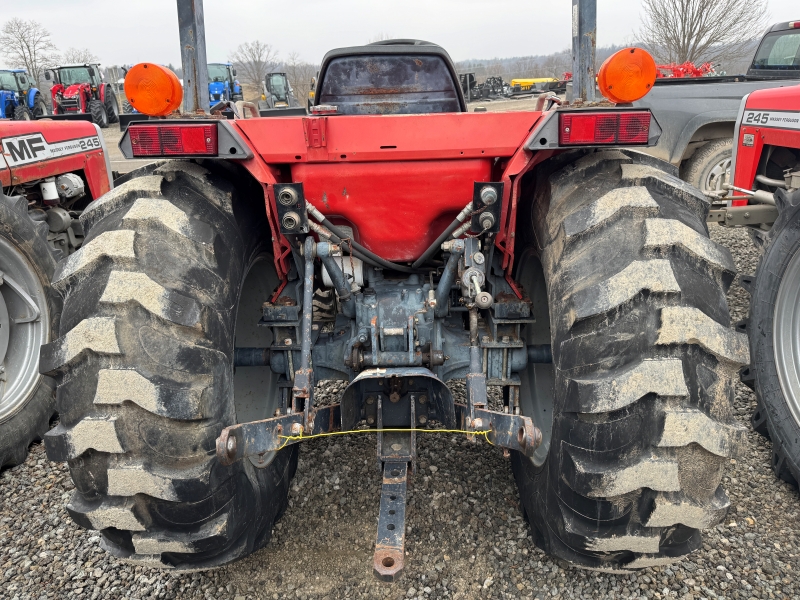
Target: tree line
<point>717,31</point>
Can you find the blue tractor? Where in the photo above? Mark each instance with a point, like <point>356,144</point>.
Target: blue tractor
<point>222,83</point>
<point>19,100</point>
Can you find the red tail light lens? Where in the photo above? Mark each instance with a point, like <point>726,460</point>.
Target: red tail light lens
<point>173,140</point>
<point>603,128</point>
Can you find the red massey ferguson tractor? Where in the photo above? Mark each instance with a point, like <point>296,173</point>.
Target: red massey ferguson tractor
<point>49,172</point>
<point>392,240</point>
<point>765,198</point>
<point>80,89</point>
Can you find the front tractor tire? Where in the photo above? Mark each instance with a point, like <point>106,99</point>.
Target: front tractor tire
<point>27,262</point>
<point>774,330</point>
<point>636,410</point>
<point>172,273</point>
<point>21,113</point>
<point>99,115</point>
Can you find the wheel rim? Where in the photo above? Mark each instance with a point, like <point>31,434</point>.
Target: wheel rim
<point>718,175</point>
<point>786,328</point>
<point>255,391</point>
<point>20,362</point>
<point>537,380</point>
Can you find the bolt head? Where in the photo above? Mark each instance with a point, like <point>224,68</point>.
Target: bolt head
<point>477,424</point>
<point>287,342</point>
<point>297,429</point>
<point>370,420</point>
<point>422,419</point>
<point>230,445</point>
<point>423,399</point>
<point>370,400</point>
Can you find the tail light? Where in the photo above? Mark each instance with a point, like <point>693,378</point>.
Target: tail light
<point>173,140</point>
<point>604,128</point>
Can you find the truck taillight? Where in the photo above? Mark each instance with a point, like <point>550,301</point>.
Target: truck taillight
<point>173,140</point>
<point>603,128</point>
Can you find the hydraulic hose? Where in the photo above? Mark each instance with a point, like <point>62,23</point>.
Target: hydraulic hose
<point>358,248</point>
<point>467,210</point>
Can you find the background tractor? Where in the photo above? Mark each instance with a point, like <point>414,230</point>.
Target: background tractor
<point>276,92</point>
<point>80,89</point>
<point>394,241</point>
<point>49,172</point>
<point>19,100</point>
<point>765,198</point>
<point>222,83</point>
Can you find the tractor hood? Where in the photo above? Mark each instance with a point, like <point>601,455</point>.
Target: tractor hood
<point>216,87</point>
<point>72,91</point>
<point>776,99</point>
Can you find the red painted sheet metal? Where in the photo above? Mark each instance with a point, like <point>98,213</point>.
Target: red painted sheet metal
<point>748,157</point>
<point>397,209</point>
<point>91,161</point>
<point>348,138</point>
<point>782,98</point>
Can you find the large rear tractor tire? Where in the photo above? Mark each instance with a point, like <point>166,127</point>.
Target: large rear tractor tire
<point>636,409</point>
<point>172,274</point>
<point>99,115</point>
<point>112,107</point>
<point>27,399</point>
<point>21,113</point>
<point>774,330</point>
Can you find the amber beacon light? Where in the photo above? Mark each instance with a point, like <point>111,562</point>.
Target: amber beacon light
<point>153,90</point>
<point>627,75</point>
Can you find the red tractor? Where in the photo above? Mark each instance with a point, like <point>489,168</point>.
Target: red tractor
<point>49,172</point>
<point>80,89</point>
<point>765,198</point>
<point>394,241</point>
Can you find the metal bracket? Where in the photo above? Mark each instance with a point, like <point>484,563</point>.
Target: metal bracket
<point>389,557</point>
<point>291,205</point>
<point>259,437</point>
<point>514,432</point>
<point>20,291</point>
<point>753,214</point>
<point>481,208</point>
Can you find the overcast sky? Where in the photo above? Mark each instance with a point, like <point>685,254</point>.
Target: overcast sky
<point>147,30</point>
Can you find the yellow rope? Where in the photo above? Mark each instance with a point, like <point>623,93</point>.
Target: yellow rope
<point>288,438</point>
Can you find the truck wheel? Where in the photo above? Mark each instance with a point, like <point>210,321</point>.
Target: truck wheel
<point>27,399</point>
<point>709,167</point>
<point>112,108</point>
<point>774,331</point>
<point>21,113</point>
<point>636,409</point>
<point>173,272</point>
<point>99,114</point>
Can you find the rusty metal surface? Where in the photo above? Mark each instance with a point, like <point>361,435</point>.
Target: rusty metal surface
<point>515,432</point>
<point>260,437</point>
<point>389,557</point>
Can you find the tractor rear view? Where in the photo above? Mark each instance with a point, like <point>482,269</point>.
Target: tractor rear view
<point>394,241</point>
<point>80,90</point>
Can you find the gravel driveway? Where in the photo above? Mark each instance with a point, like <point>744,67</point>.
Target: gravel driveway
<point>465,534</point>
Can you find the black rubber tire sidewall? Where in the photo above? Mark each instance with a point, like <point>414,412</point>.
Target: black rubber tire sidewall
<point>30,422</point>
<point>784,243</point>
<point>697,168</point>
<point>112,106</point>
<point>21,113</point>
<point>99,114</point>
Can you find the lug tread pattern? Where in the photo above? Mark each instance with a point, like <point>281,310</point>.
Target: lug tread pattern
<point>164,295</point>
<point>643,359</point>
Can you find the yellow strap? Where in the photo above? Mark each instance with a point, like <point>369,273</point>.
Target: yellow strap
<point>288,438</point>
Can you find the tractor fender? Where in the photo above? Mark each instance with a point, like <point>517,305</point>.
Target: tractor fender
<point>31,97</point>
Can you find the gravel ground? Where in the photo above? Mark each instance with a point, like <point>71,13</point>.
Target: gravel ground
<point>465,534</point>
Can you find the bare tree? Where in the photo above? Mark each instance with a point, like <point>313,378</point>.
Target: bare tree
<point>27,45</point>
<point>253,60</point>
<point>79,56</point>
<point>300,73</point>
<point>700,30</point>
<point>379,38</point>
